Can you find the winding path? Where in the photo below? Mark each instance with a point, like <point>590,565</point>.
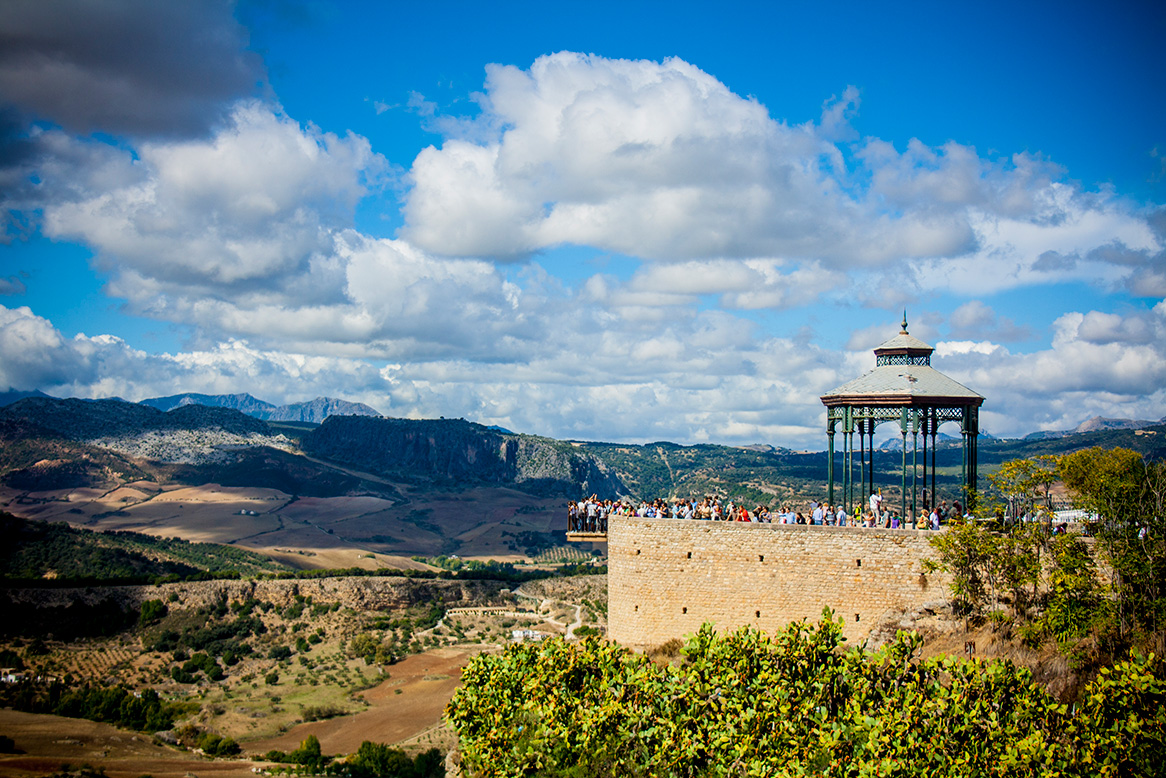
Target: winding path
<point>542,603</point>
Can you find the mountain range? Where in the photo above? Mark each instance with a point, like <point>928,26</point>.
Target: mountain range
<point>48,443</point>
<point>313,411</point>
<point>96,440</point>
<point>1096,424</point>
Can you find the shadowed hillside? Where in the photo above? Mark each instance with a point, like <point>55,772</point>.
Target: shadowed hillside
<point>454,450</point>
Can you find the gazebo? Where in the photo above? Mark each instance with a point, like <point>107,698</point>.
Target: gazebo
<point>906,390</point>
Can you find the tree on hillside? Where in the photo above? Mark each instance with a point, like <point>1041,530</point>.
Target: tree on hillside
<point>1025,485</point>
<point>308,754</point>
<point>1129,497</point>
<point>377,760</point>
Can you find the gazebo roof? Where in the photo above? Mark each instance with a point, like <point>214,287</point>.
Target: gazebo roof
<point>902,385</point>
<point>904,342</point>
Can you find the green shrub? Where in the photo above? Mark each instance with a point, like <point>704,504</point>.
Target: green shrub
<point>743,703</point>
<point>152,611</point>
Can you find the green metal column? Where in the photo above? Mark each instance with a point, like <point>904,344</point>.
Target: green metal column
<point>964,466</point>
<point>849,463</point>
<point>915,463</point>
<point>974,450</point>
<point>862,458</point>
<point>934,442</point>
<point>829,459</point>
<point>903,486</point>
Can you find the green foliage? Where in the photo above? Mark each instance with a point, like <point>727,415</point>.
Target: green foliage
<point>1076,602</point>
<point>1121,720</point>
<point>321,712</point>
<point>9,658</point>
<point>1130,498</point>
<point>965,552</point>
<point>216,745</point>
<point>202,663</point>
<point>364,646</point>
<point>33,549</point>
<point>152,611</point>
<point>1128,495</point>
<point>795,704</point>
<point>377,760</point>
<point>1104,481</point>
<point>308,754</point>
<point>1024,485</point>
<point>114,705</point>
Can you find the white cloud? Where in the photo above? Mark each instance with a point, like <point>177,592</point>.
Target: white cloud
<point>658,160</point>
<point>661,161</point>
<point>254,203</point>
<point>974,319</point>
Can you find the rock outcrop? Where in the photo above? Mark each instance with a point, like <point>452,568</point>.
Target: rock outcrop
<point>357,592</point>
<point>188,434</point>
<point>462,451</point>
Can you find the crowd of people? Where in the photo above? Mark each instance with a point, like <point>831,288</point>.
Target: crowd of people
<point>591,515</point>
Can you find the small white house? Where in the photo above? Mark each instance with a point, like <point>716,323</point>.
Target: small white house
<point>526,635</point>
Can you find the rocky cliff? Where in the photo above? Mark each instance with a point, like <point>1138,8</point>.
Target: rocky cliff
<point>105,610</point>
<point>188,434</point>
<point>461,451</point>
<point>359,593</point>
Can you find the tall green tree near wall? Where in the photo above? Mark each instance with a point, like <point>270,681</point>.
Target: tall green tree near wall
<point>1129,497</point>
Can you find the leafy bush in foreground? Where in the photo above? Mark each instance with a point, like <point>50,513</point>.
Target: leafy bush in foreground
<point>796,704</point>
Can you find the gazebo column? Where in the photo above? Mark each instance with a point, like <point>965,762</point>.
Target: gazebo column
<point>965,471</point>
<point>829,459</point>
<point>929,494</point>
<point>915,464</point>
<point>934,445</point>
<point>848,457</point>
<point>903,484</point>
<point>862,457</point>
<point>871,448</point>
<point>973,443</point>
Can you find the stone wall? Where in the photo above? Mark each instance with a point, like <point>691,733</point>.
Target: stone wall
<point>668,576</point>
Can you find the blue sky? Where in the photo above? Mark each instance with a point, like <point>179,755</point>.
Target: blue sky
<point>631,222</point>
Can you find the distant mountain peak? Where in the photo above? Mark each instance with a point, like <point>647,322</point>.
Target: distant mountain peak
<point>315,411</point>
<point>1101,423</point>
<point>10,396</point>
<point>1096,424</point>
<point>312,411</point>
<point>244,403</point>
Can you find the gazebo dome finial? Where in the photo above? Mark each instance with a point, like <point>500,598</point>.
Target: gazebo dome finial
<point>904,330</point>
